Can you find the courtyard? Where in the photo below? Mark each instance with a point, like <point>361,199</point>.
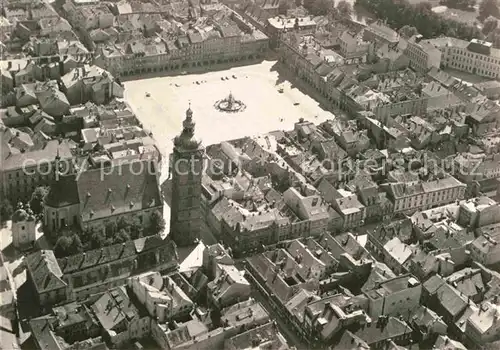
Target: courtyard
<point>163,111</point>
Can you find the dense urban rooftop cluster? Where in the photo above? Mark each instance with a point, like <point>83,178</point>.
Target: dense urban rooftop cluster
<point>120,36</point>
<point>375,229</point>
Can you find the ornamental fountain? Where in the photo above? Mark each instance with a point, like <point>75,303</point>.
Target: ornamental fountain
<point>230,104</point>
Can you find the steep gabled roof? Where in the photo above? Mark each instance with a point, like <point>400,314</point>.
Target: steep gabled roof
<point>119,189</point>
<point>45,271</point>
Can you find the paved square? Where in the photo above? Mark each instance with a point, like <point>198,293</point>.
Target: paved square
<point>255,85</point>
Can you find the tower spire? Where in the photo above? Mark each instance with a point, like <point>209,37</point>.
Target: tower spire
<point>188,124</point>
<point>187,159</point>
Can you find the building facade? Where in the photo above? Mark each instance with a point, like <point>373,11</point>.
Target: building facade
<point>423,54</point>
<point>23,228</point>
<point>477,57</point>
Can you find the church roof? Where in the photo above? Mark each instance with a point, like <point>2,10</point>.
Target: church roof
<point>63,193</point>
<point>119,189</point>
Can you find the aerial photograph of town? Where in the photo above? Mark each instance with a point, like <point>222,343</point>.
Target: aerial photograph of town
<point>249,174</point>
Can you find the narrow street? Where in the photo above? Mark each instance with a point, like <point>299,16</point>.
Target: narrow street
<point>286,330</point>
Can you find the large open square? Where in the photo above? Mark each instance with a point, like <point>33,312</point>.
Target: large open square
<point>255,85</point>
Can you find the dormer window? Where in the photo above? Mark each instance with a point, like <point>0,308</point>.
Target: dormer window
<point>112,208</point>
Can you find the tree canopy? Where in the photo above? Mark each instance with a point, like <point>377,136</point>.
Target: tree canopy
<point>37,197</point>
<point>318,7</point>
<point>157,224</point>
<point>494,38</point>
<point>6,210</point>
<point>488,8</point>
<point>489,25</point>
<point>407,31</point>
<point>283,7</point>
<point>67,245</point>
<point>126,228</point>
<point>429,24</point>
<point>344,8</point>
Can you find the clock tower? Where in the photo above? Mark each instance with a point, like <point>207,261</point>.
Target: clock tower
<point>187,171</point>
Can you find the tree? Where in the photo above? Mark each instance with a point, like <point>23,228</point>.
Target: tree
<point>490,24</point>
<point>407,31</point>
<point>110,229</point>
<point>67,245</point>
<point>123,223</point>
<point>97,239</point>
<point>488,8</point>
<point>131,225</point>
<point>321,7</point>
<point>429,24</point>
<point>122,236</point>
<point>37,197</point>
<point>63,246</point>
<point>76,245</point>
<point>308,4</point>
<point>6,210</point>
<point>344,9</point>
<point>157,224</point>
<point>333,13</point>
<point>494,38</point>
<point>283,7</point>
<point>135,228</point>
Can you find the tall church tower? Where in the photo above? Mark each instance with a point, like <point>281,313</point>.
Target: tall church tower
<point>187,171</point>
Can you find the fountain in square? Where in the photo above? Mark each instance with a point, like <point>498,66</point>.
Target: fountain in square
<point>230,104</point>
